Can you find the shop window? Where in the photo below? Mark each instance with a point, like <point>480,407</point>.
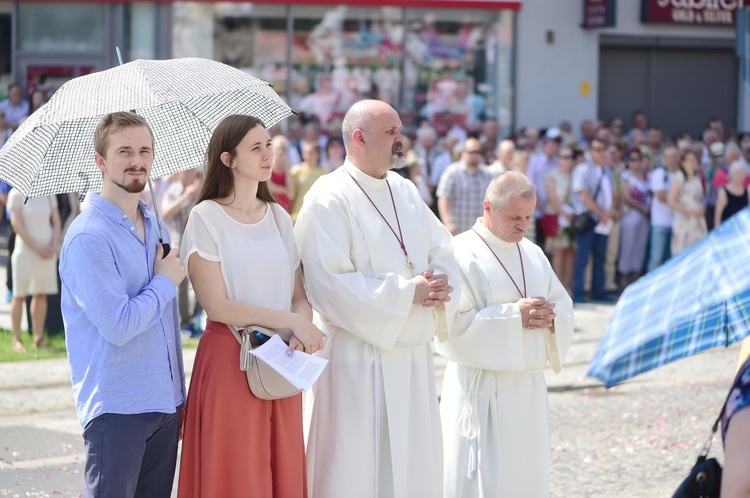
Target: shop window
<point>457,66</point>
<point>248,36</point>
<point>439,64</point>
<point>345,54</point>
<point>193,30</point>
<point>61,27</point>
<point>140,31</point>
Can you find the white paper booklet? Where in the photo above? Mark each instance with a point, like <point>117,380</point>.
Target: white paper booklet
<point>301,369</point>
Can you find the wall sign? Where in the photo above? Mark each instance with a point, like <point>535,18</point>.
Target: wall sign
<point>698,12</point>
<point>599,13</point>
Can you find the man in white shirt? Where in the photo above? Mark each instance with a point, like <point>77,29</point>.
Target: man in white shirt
<point>660,235</point>
<point>503,157</point>
<point>593,191</point>
<point>436,159</point>
<point>378,269</point>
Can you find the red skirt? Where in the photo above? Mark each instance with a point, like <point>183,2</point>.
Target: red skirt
<point>234,444</point>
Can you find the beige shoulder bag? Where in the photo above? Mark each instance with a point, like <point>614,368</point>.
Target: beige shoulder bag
<point>264,382</point>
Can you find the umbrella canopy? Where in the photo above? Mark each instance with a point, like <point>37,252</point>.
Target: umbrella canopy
<point>183,100</point>
<point>696,301</point>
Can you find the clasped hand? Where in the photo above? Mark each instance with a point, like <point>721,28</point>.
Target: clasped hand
<point>536,313</point>
<point>169,266</point>
<point>307,336</point>
<point>432,290</point>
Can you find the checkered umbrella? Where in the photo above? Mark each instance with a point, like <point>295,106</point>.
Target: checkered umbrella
<point>696,301</point>
<point>183,100</point>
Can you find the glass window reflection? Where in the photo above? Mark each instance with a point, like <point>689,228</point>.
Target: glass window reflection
<point>448,66</point>
<point>61,27</point>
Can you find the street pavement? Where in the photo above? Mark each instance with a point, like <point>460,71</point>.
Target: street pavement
<point>636,440</point>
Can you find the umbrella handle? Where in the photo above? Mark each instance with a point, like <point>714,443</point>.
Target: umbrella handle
<point>164,245</point>
<point>166,248</point>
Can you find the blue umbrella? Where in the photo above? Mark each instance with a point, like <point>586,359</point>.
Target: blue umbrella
<point>696,301</point>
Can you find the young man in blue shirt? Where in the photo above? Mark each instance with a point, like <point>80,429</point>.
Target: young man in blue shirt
<point>121,322</point>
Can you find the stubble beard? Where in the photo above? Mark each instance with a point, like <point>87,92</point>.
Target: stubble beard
<point>134,187</point>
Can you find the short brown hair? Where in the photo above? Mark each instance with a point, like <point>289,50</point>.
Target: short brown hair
<point>114,122</point>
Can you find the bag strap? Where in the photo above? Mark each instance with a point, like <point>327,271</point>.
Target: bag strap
<point>271,206</point>
<point>235,332</point>
<point>707,445</point>
<point>275,216</point>
<point>599,185</point>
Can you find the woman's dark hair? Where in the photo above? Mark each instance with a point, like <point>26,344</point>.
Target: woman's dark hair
<point>331,141</point>
<point>634,150</point>
<point>218,181</point>
<point>682,160</point>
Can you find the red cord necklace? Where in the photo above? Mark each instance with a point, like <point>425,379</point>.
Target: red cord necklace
<point>523,273</point>
<point>400,235</point>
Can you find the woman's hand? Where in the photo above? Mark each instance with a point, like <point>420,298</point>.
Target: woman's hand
<point>295,344</point>
<point>306,334</point>
<point>46,252</point>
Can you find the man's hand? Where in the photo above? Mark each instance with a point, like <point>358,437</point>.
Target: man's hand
<point>536,313</point>
<point>432,290</point>
<point>171,266</point>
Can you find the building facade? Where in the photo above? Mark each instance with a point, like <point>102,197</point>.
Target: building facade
<point>450,61</point>
<point>44,44</point>
<point>656,58</point>
<point>526,62</point>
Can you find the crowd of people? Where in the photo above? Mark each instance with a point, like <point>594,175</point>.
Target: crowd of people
<point>34,232</point>
<point>465,240</point>
<point>650,198</point>
<point>655,199</point>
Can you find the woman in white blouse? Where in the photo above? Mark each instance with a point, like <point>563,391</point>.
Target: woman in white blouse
<point>239,251</point>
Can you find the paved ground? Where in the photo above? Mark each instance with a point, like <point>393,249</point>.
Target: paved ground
<point>641,438</point>
<point>636,440</point>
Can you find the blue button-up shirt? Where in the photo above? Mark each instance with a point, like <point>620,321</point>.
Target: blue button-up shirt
<point>121,320</point>
<point>14,114</point>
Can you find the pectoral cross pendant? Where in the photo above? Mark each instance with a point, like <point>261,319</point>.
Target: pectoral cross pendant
<point>410,265</point>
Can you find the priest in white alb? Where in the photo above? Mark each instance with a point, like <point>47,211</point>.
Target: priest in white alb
<point>379,270</point>
<point>514,318</point>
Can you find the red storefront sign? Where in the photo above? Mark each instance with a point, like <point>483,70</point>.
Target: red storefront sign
<point>53,76</point>
<point>698,12</point>
<point>428,4</point>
